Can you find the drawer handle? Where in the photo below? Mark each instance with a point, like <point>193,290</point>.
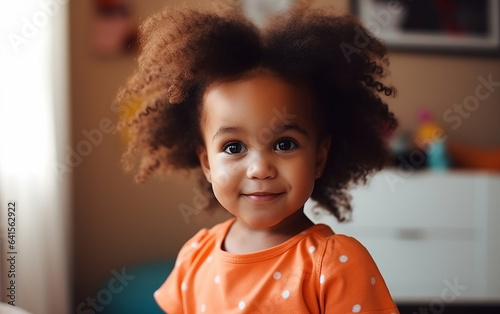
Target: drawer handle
<point>410,234</point>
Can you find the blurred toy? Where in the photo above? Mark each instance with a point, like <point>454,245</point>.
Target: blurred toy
<point>482,158</point>
<point>405,155</point>
<point>400,143</point>
<point>128,110</point>
<point>437,156</point>
<point>431,138</point>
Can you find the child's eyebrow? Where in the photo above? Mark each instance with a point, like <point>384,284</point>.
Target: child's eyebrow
<point>293,127</point>
<point>227,130</point>
<point>224,130</point>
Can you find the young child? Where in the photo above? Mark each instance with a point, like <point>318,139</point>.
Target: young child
<point>271,116</point>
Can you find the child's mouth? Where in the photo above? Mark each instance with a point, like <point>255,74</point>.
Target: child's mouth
<point>262,196</point>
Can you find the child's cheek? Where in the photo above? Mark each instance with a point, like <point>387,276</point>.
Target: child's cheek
<point>225,175</point>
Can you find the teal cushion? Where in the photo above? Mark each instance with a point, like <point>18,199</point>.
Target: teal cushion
<point>130,290</point>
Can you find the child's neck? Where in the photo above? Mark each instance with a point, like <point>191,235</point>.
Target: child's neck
<point>243,239</point>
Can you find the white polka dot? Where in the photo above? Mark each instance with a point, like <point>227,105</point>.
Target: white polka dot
<point>285,294</point>
<point>343,258</point>
<point>184,286</point>
<point>322,278</point>
<point>195,245</point>
<point>277,275</point>
<point>217,279</point>
<point>356,308</point>
<point>312,248</point>
<point>373,281</point>
<point>241,305</point>
<point>203,308</point>
<point>209,259</point>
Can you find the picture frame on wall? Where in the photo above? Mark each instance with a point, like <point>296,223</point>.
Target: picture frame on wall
<point>456,26</point>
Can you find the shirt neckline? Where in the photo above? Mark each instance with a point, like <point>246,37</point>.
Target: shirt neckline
<point>263,254</point>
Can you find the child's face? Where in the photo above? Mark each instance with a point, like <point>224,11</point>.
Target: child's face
<point>262,150</point>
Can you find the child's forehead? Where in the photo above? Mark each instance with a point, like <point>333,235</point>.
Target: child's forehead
<point>262,92</point>
<point>257,100</point>
<point>260,83</point>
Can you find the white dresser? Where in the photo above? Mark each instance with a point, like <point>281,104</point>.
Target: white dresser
<point>434,235</point>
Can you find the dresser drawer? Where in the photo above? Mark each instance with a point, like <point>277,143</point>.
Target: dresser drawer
<point>430,200</point>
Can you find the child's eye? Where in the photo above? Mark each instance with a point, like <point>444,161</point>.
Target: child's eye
<point>234,148</point>
<point>285,144</point>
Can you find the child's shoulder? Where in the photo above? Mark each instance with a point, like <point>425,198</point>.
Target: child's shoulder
<point>215,232</point>
<point>334,241</point>
<point>204,239</point>
<point>349,277</point>
<point>336,250</point>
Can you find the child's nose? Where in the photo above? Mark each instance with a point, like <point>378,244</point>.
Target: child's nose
<point>261,167</point>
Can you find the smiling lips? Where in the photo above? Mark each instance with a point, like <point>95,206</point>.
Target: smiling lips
<point>261,197</point>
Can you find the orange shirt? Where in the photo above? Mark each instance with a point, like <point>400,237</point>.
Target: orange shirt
<point>315,271</point>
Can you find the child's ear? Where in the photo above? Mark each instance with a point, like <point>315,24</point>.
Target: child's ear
<point>322,155</point>
<point>205,166</point>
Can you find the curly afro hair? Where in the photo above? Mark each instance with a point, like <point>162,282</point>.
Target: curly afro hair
<point>185,50</point>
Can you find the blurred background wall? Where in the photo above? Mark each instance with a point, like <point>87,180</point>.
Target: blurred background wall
<point>118,223</point>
